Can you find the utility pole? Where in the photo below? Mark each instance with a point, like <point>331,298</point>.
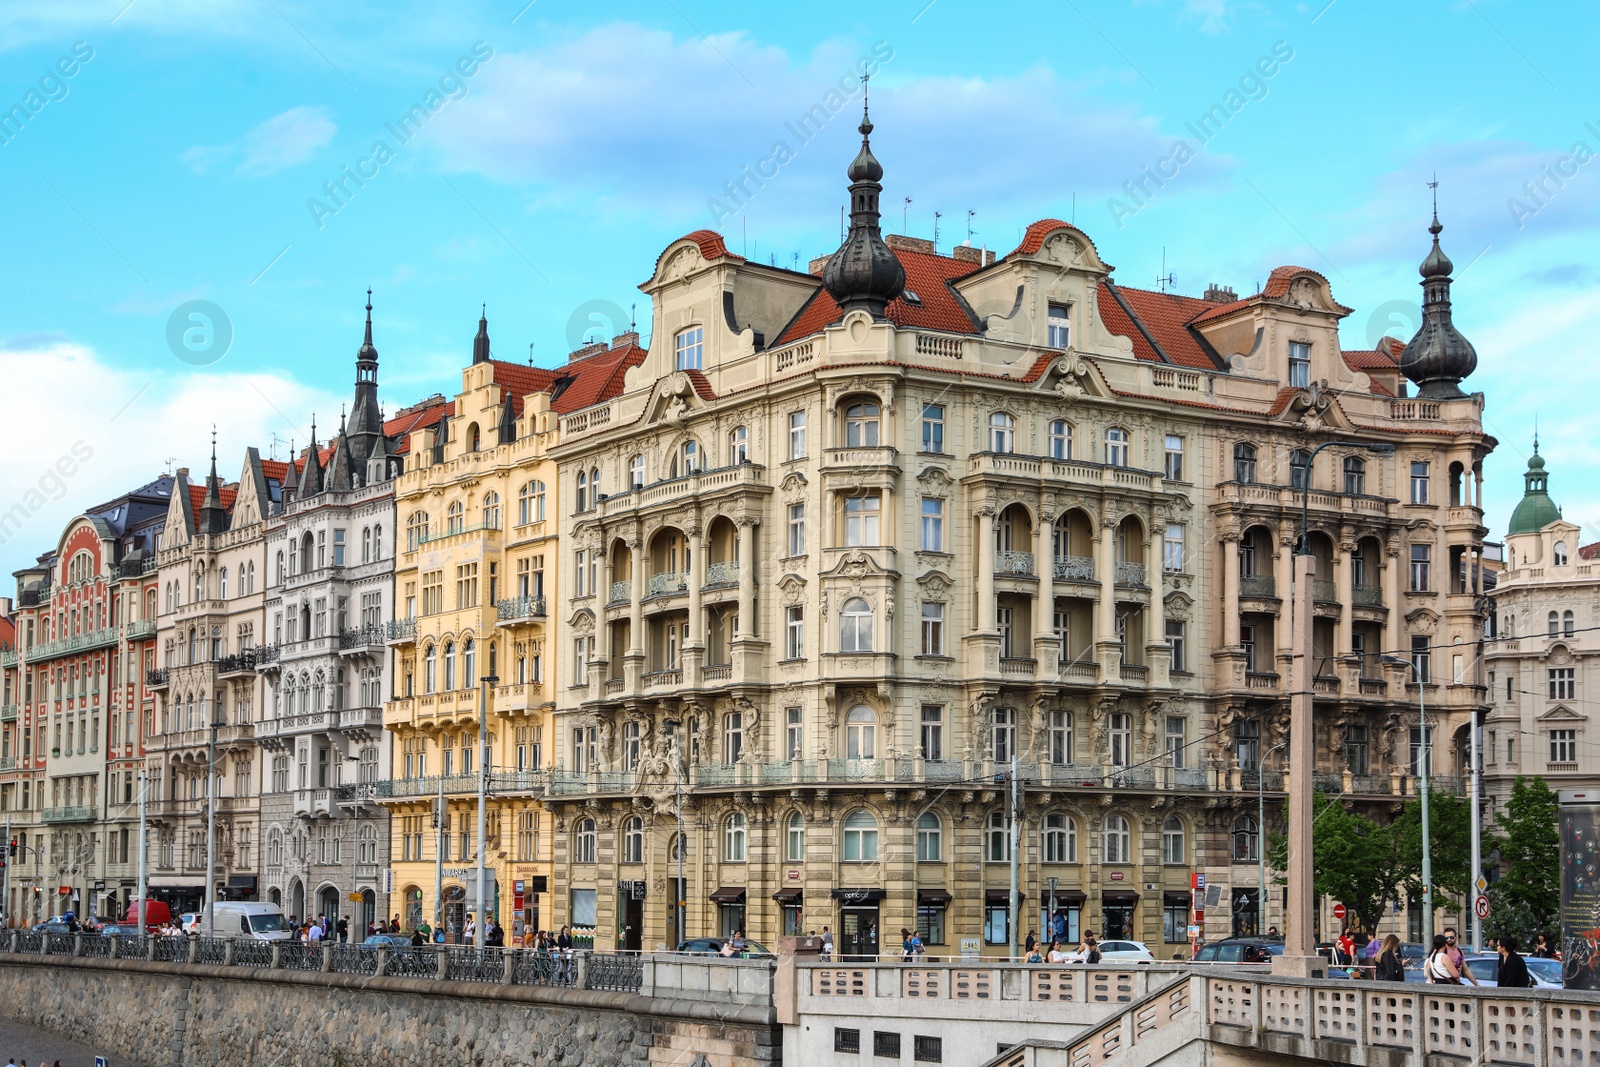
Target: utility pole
<point>1477,836</point>
<point>1261,837</point>
<point>5,883</point>
<point>1013,911</point>
<point>211,826</point>
<point>481,930</point>
<point>438,858</point>
<point>142,774</point>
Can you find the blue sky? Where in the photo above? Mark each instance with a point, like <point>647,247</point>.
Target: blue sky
<point>186,156</point>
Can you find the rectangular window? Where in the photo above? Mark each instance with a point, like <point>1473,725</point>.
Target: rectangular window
<point>794,632</point>
<point>1247,644</point>
<point>1175,923</point>
<point>861,520</point>
<point>1172,554</point>
<point>930,923</point>
<point>1563,746</point>
<point>996,927</point>
<point>1563,683</point>
<point>1417,749</point>
<point>338,549</point>
<point>1176,641</point>
<point>797,435</point>
<point>1174,467</point>
<point>933,428</point>
<point>1419,483</point>
<point>1004,735</point>
<point>932,732</point>
<point>1421,568</point>
<point>932,525</point>
<point>1355,749</point>
<point>688,348</point>
<point>1177,741</point>
<point>846,1039</point>
<point>932,629</point>
<point>795,738</point>
<point>931,1049</point>
<point>1299,365</point>
<point>1060,327</point>
<point>797,529</point>
<point>886,1044</point>
<point>1422,658</point>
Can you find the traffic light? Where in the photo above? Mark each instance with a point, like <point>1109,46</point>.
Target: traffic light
<point>13,849</point>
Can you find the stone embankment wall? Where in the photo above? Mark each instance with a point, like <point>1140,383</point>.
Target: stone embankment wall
<point>161,1014</point>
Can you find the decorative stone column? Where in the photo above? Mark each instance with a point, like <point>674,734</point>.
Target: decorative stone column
<point>1230,589</point>
<point>1046,645</point>
<point>985,564</point>
<point>1106,623</point>
<point>745,554</point>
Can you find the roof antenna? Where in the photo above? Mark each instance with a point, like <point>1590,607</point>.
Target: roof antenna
<point>633,318</point>
<point>530,353</point>
<point>970,230</point>
<point>905,211</point>
<point>1164,279</point>
<point>794,257</point>
<point>936,216</point>
<point>1535,432</point>
<point>841,224</point>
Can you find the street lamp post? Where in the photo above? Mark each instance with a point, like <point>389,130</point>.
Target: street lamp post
<point>1299,956</point>
<point>211,826</point>
<point>1261,834</point>
<point>678,894</point>
<point>481,930</point>
<point>1422,787</point>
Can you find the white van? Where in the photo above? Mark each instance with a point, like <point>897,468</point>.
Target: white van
<point>255,922</point>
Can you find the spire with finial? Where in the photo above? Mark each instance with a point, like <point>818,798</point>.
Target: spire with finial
<point>212,518</point>
<point>1535,510</point>
<point>366,421</point>
<point>864,273</point>
<point>1438,357</point>
<point>480,343</point>
<point>311,477</point>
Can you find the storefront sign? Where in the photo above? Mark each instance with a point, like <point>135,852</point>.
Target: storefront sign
<point>1117,876</point>
<point>792,874</point>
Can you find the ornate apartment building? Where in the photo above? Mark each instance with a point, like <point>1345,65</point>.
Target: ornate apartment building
<point>211,590</point>
<point>1541,663</point>
<point>851,545</point>
<point>73,723</point>
<point>330,558</point>
<point>475,580</point>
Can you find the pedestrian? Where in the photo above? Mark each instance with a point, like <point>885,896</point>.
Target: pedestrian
<point>738,942</point>
<point>1273,935</point>
<point>1439,968</point>
<point>1541,947</point>
<point>1513,971</point>
<point>425,929</point>
<point>1390,967</point>
<point>564,939</point>
<point>1034,955</point>
<point>827,944</point>
<point>342,928</point>
<point>417,938</point>
<point>496,936</point>
<point>314,935</point>
<point>1056,953</point>
<point>905,945</point>
<point>1456,956</point>
<point>1030,943</point>
<point>1090,950</point>
<point>394,925</point>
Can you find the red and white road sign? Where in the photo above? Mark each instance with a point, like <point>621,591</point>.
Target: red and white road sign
<point>1339,912</point>
<point>1481,907</point>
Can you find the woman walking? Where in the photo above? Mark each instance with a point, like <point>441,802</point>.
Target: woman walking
<point>1440,969</point>
<point>1390,966</point>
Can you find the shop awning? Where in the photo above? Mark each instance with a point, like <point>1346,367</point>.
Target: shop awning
<point>728,895</point>
<point>1002,897</point>
<point>789,896</point>
<point>1119,896</point>
<point>241,881</point>
<point>1067,898</point>
<point>1176,897</point>
<point>934,898</point>
<point>858,896</point>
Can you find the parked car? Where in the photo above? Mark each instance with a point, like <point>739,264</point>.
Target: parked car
<point>54,927</point>
<point>1115,950</point>
<point>156,914</point>
<point>119,930</point>
<point>1485,967</point>
<point>388,941</point>
<point>1239,950</point>
<point>247,919</point>
<point>712,946</point>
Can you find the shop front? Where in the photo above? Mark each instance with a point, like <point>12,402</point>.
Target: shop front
<point>791,912</point>
<point>730,902</point>
<point>932,907</point>
<point>858,923</point>
<point>1117,908</point>
<point>1063,916</point>
<point>630,914</point>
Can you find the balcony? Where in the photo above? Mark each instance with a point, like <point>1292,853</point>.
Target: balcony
<point>667,583</point>
<point>500,783</point>
<point>288,725</point>
<point>8,657</point>
<point>1013,563</point>
<point>1325,686</point>
<point>142,630</point>
<point>360,718</point>
<point>157,678</point>
<point>519,609</point>
<point>668,679</point>
<point>1257,585</point>
<point>457,531</point>
<point>1264,680</point>
<point>8,713</point>
<point>313,802</point>
<point>69,814</point>
<point>240,663</point>
<point>68,646</point>
<point>1008,465</point>
<point>722,574</point>
<point>8,763</point>
<point>402,631</point>
<point>1324,591</point>
<point>1075,569</point>
<point>1016,667</point>
<point>716,673</point>
<point>1130,573</point>
<point>861,460</point>
<point>689,486</point>
<point>368,640</point>
<point>355,794</point>
<point>1374,687</point>
<point>621,593</point>
<point>1366,596</point>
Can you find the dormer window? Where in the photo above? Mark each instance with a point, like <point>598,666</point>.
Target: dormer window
<point>688,347</point>
<point>1060,328</point>
<point>1299,365</point>
<point>1558,554</point>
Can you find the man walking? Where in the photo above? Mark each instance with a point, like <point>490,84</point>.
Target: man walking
<point>1456,956</point>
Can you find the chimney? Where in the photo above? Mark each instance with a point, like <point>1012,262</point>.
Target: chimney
<point>968,254</point>
<point>586,350</point>
<point>899,242</point>
<point>1219,294</point>
<point>623,340</point>
<point>816,265</point>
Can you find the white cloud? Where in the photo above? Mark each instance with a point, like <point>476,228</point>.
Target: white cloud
<point>132,425</point>
<point>276,144</point>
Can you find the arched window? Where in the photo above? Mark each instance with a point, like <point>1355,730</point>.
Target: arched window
<point>279,569</point>
<point>930,837</point>
<point>530,503</point>
<point>429,669</point>
<point>449,666</point>
<point>1568,623</point>
<point>1246,839</point>
<point>377,552</point>
<point>794,846</point>
<point>1060,439</point>
<point>472,438</point>
<point>633,840</point>
<point>1059,839</point>
<point>455,519</point>
<point>1117,447</point>
<point>275,848</point>
<point>860,833</point>
<point>1355,475</point>
<point>636,471</point>
<point>855,626</point>
<point>996,838</point>
<point>1558,555</point>
<point>1118,840</point>
<point>860,734</point>
<point>306,558</point>
<point>1553,624</point>
<point>733,838</point>
<point>1002,432</point>
<point>739,446</point>
<point>1299,469</point>
<point>583,844</point>
<point>491,510</point>
<point>686,460</point>
<point>469,663</point>
<point>1244,463</point>
<point>861,424</point>
<point>222,583</point>
<point>1172,846</point>
<point>366,544</point>
<point>416,530</point>
<point>583,491</point>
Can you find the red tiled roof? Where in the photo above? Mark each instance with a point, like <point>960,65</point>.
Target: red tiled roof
<point>1280,402</point>
<point>1033,237</point>
<point>274,469</point>
<point>197,496</point>
<point>595,379</point>
<point>1166,317</point>
<point>1219,311</point>
<point>1385,357</point>
<point>1277,286</point>
<point>1589,551</point>
<point>702,387</point>
<point>710,243</point>
<point>928,275</point>
<point>404,425</point>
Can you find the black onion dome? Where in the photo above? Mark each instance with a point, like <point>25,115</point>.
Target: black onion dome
<point>864,273</point>
<point>1438,357</point>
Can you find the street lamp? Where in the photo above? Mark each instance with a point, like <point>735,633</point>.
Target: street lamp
<point>481,930</point>
<point>1261,833</point>
<point>211,826</point>
<point>1422,787</point>
<point>678,893</point>
<point>1299,955</point>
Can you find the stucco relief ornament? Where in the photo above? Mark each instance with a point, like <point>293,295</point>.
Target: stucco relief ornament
<point>1074,373</point>
<point>1313,405</point>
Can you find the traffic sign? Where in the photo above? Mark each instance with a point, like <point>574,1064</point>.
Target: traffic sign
<point>1339,912</point>
<point>1481,884</point>
<point>1481,907</point>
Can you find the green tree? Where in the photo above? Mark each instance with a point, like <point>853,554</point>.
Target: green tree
<point>1358,862</point>
<point>1450,844</point>
<point>1527,897</point>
